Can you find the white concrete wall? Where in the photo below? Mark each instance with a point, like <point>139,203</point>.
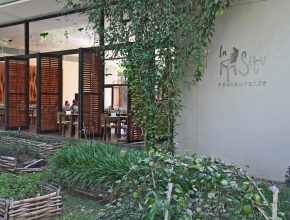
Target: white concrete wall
<point>244,118</point>
<point>70,80</point>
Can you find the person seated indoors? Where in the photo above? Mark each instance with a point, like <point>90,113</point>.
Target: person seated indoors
<point>66,106</point>
<point>75,107</point>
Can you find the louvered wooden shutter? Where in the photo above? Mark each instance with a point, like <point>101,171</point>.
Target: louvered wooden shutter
<point>49,91</point>
<point>91,91</point>
<point>16,93</point>
<point>2,82</point>
<point>134,132</point>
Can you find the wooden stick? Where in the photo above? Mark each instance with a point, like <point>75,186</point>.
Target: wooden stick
<point>153,179</point>
<point>7,209</point>
<point>275,204</point>
<point>33,199</point>
<point>34,163</point>
<point>262,212</point>
<point>168,199</point>
<point>259,191</point>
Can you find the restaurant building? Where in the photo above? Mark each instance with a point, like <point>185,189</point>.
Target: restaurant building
<point>240,111</point>
<point>49,56</point>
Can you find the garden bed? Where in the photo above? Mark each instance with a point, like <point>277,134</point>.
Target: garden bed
<point>32,208</point>
<point>28,197</point>
<point>18,154</point>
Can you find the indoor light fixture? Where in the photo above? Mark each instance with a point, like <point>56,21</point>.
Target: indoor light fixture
<point>6,3</point>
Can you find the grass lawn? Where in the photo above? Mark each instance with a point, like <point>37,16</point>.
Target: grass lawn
<point>76,208</point>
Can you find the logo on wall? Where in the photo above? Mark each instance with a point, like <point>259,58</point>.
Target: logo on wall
<point>237,69</point>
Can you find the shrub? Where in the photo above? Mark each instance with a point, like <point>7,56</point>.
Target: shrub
<point>287,177</point>
<point>93,164</point>
<point>284,199</point>
<point>21,187</point>
<point>203,188</point>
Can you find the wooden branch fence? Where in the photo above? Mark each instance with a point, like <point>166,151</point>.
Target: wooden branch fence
<point>43,150</point>
<point>38,207</point>
<point>8,164</point>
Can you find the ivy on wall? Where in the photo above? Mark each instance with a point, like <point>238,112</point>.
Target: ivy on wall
<point>160,39</point>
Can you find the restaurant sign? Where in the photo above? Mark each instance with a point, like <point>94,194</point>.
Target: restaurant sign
<point>238,68</point>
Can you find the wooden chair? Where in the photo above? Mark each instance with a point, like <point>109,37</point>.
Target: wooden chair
<point>59,120</point>
<point>103,124</point>
<point>62,123</point>
<point>124,127</point>
<point>89,131</point>
<point>76,125</point>
<point>32,115</point>
<point>2,115</point>
<point>111,122</point>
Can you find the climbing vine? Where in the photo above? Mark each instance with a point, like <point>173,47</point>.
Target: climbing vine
<point>161,40</point>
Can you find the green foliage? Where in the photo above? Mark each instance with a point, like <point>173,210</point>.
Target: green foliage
<point>287,177</point>
<point>203,188</point>
<point>93,164</point>
<point>76,208</point>
<point>161,40</point>
<point>21,187</point>
<point>284,204</point>
<point>284,200</point>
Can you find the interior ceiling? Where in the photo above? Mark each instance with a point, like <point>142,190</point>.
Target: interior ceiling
<point>64,32</point>
<point>25,9</point>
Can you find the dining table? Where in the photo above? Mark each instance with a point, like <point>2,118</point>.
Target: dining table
<point>118,119</point>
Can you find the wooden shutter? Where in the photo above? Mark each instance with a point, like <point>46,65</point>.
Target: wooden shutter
<point>16,93</point>
<point>49,91</point>
<point>91,91</point>
<point>134,132</point>
<point>2,82</point>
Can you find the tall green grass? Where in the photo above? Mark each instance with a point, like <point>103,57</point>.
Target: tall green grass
<point>93,164</point>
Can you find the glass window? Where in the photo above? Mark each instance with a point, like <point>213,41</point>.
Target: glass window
<point>12,40</point>
<point>61,33</point>
<point>114,72</point>
<point>120,98</point>
<point>116,97</point>
<point>108,99</point>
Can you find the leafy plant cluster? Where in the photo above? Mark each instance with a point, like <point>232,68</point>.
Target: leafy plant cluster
<point>21,187</point>
<point>287,177</point>
<point>160,40</point>
<point>284,199</point>
<point>93,164</point>
<point>203,188</point>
